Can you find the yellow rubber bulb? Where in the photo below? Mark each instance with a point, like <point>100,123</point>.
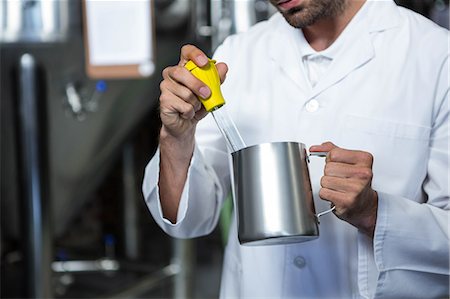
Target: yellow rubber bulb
<point>210,76</point>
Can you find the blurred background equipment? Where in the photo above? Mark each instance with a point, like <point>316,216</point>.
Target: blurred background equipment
<point>34,21</point>
<point>74,147</point>
<point>436,10</point>
<point>71,174</point>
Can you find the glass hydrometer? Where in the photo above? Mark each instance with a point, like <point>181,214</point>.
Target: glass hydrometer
<point>215,103</point>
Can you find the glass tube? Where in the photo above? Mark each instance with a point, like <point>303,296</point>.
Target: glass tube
<point>228,129</point>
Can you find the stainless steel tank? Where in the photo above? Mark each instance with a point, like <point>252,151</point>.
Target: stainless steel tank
<point>34,21</point>
<point>80,150</point>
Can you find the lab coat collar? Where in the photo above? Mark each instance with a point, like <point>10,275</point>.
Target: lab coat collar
<point>374,16</point>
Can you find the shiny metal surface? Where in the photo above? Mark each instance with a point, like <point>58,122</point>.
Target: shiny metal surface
<point>86,266</point>
<point>80,153</point>
<point>273,194</point>
<point>34,21</point>
<point>34,196</point>
<point>227,17</point>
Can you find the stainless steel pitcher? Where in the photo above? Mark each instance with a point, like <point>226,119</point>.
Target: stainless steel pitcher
<point>273,194</point>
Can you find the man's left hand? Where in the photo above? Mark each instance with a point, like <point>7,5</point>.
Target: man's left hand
<point>347,184</point>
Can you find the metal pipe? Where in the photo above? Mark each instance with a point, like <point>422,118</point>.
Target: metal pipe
<point>184,257</point>
<point>130,209</point>
<point>35,210</point>
<point>101,265</point>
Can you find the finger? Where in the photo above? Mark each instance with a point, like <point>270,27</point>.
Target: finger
<point>165,73</point>
<point>344,170</point>
<point>341,185</point>
<point>324,147</point>
<point>170,104</point>
<point>181,75</point>
<point>339,199</point>
<point>222,69</point>
<point>333,196</point>
<point>350,157</point>
<point>190,52</point>
<point>181,92</point>
<point>200,114</point>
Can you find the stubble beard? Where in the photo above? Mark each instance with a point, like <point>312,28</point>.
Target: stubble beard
<point>313,11</point>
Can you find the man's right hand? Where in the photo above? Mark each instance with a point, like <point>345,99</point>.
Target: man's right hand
<point>180,111</point>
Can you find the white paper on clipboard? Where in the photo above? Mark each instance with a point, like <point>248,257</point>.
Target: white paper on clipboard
<point>120,33</point>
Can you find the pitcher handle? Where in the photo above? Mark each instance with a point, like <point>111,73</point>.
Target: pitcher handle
<point>318,154</point>
<point>333,207</point>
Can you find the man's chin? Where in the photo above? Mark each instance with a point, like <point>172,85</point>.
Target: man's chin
<point>296,19</point>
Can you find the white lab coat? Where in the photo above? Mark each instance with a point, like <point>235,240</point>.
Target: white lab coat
<point>386,92</point>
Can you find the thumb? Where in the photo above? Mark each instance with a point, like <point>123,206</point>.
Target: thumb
<point>324,147</point>
<point>222,69</point>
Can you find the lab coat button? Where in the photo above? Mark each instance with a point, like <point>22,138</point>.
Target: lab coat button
<point>312,106</point>
<point>299,262</point>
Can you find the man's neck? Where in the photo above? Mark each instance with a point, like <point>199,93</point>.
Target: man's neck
<point>323,33</point>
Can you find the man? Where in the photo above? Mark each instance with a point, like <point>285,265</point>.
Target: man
<point>366,82</point>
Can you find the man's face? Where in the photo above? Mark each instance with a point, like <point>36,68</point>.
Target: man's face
<point>303,13</point>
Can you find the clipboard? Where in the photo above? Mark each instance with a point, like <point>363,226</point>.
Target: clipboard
<point>119,38</point>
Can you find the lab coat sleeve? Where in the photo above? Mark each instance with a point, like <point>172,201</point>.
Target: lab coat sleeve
<point>198,210</point>
<point>207,183</point>
<point>411,242</point>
